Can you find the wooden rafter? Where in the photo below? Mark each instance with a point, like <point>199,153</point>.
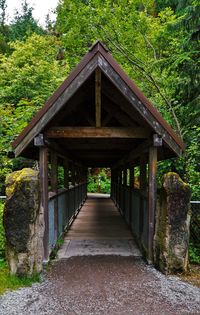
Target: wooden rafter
<point>98,96</point>
<point>102,132</point>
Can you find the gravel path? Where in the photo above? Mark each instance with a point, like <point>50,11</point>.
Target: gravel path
<point>104,285</point>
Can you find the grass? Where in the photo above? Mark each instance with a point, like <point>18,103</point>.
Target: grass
<point>8,282</point>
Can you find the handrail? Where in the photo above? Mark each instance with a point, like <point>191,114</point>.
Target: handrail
<point>64,190</point>
<point>63,209</point>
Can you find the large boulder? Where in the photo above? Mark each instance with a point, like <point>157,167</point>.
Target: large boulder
<point>172,225</point>
<point>23,223</point>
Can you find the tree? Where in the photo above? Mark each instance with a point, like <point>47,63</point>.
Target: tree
<point>24,24</point>
<point>28,76</point>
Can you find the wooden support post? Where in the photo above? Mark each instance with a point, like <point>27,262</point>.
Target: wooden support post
<point>66,174</point>
<point>73,172</point>
<point>54,171</point>
<point>54,188</point>
<point>43,159</point>
<point>125,177</point>
<point>143,183</point>
<point>98,96</point>
<point>131,178</point>
<point>152,195</point>
<point>120,187</point>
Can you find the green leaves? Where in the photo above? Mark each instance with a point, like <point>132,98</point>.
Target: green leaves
<point>28,77</point>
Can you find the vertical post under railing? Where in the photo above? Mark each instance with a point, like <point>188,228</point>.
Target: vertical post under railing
<point>131,186</point>
<point>143,183</point>
<point>120,188</point>
<point>54,188</point>
<point>66,174</point>
<point>152,192</point>
<point>43,161</point>
<point>124,193</point>
<point>111,184</point>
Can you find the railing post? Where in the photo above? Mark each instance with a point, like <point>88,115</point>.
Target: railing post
<point>131,186</point>
<point>54,188</point>
<point>43,161</point>
<point>66,174</point>
<point>143,179</point>
<point>151,199</point>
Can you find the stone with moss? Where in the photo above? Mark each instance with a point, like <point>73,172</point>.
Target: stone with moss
<point>23,222</point>
<point>172,225</point>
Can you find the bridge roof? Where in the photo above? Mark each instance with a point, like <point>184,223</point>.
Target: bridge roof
<point>122,105</point>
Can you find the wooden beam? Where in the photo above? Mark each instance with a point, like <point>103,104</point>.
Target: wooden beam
<point>54,165</point>
<point>43,162</point>
<point>152,192</point>
<point>102,132</point>
<point>98,96</point>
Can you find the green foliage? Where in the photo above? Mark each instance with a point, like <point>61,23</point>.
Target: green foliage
<point>23,24</point>
<point>28,76</point>
<point>194,253</point>
<point>93,181</point>
<point>2,241</point>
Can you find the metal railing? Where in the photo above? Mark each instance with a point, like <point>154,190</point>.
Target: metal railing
<point>132,204</point>
<point>63,208</point>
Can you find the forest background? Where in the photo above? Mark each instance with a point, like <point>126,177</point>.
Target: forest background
<point>156,42</point>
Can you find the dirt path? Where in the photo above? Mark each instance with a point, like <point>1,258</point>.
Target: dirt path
<point>103,285</point>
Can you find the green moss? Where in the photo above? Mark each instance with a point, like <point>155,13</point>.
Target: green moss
<point>14,179</point>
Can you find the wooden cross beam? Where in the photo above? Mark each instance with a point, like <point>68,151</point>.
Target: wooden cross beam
<point>92,132</point>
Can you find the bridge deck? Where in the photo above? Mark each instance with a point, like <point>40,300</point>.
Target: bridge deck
<point>99,219</point>
<point>98,229</point>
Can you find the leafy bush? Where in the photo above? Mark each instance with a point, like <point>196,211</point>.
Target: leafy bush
<point>194,253</point>
<point>2,243</point>
<point>104,182</point>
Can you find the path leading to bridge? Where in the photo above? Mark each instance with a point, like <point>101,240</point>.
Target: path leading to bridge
<point>100,271</point>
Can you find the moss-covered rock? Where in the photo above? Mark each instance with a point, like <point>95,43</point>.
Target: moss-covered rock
<point>172,225</point>
<point>23,222</point>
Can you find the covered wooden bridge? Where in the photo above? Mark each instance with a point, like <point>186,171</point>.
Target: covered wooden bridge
<point>98,118</point>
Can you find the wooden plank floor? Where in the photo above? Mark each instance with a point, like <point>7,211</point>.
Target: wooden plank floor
<point>99,219</point>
